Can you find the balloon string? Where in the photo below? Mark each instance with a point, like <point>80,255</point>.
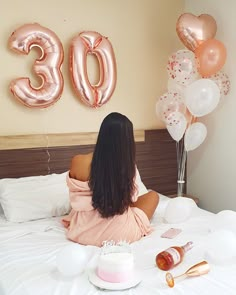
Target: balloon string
<point>48,154</point>
<point>181,158</point>
<point>181,165</point>
<point>47,142</point>
<point>192,120</point>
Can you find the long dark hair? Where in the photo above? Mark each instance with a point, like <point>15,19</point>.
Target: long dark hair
<point>113,166</point>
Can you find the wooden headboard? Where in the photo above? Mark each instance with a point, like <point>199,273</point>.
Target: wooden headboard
<point>31,155</point>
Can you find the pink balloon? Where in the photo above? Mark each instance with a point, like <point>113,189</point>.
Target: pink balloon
<point>211,56</point>
<point>47,67</point>
<point>85,43</point>
<point>193,30</point>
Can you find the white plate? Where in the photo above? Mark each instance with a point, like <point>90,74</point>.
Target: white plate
<point>95,280</point>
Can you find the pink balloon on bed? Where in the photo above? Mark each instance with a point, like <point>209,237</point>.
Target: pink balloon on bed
<point>47,66</point>
<point>85,43</point>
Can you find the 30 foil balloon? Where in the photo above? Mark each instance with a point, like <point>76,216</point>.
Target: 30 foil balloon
<point>90,42</point>
<point>47,67</point>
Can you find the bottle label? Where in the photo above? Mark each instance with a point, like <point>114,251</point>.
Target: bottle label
<point>174,254</point>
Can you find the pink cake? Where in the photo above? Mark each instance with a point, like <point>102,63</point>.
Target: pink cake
<point>115,265</point>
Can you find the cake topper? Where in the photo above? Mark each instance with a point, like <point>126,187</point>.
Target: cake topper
<point>115,247</point>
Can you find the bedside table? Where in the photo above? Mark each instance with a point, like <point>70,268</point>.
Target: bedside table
<point>196,200</point>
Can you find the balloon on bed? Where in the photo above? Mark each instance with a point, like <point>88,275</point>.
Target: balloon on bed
<point>179,210</point>
<point>72,259</point>
<point>195,87</point>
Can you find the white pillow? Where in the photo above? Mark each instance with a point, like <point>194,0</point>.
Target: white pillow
<point>35,197</point>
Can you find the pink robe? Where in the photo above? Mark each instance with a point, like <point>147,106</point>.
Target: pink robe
<point>86,226</point>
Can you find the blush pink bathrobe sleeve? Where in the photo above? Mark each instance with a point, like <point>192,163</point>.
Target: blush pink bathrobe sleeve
<point>85,225</point>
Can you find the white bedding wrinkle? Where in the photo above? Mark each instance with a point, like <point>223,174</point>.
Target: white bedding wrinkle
<point>28,260</point>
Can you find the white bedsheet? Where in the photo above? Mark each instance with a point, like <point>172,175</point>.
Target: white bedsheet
<point>28,267</point>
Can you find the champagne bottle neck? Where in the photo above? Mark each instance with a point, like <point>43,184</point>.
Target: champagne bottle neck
<point>187,247</point>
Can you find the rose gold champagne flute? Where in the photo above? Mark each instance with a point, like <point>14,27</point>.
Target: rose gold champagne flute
<point>198,269</point>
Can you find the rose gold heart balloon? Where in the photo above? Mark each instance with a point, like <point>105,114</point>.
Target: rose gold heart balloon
<point>193,30</point>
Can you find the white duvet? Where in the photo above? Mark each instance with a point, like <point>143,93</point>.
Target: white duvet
<point>28,260</point>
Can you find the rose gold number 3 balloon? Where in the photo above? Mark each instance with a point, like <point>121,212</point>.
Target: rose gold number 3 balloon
<point>92,43</point>
<point>47,67</point>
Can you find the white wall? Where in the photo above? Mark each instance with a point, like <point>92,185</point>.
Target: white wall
<point>142,34</point>
<point>212,166</point>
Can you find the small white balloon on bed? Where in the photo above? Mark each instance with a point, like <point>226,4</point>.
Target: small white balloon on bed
<point>220,247</point>
<point>71,260</point>
<point>225,219</point>
<point>179,209</point>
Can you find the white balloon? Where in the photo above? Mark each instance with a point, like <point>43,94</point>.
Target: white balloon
<point>202,97</point>
<point>220,247</point>
<point>194,136</point>
<point>228,215</point>
<point>225,219</point>
<point>179,209</point>
<point>71,260</point>
<point>177,131</point>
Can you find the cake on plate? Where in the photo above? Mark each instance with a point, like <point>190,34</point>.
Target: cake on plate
<point>115,263</point>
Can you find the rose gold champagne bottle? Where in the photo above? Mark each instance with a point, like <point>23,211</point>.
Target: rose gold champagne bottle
<point>172,256</point>
<point>196,270</point>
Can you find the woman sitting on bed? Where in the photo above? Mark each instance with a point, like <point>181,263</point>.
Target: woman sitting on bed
<point>104,189</point>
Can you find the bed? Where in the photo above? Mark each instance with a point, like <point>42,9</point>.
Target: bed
<point>28,249</point>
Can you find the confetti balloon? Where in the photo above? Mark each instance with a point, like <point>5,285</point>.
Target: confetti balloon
<point>222,81</point>
<point>170,107</point>
<point>182,67</point>
<point>177,131</point>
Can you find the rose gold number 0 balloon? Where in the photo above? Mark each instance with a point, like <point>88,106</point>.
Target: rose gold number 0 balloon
<point>85,43</point>
<point>47,67</point>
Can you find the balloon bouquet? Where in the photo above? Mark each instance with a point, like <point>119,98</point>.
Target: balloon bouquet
<point>195,86</point>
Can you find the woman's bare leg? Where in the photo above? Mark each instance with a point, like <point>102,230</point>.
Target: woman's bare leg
<point>148,203</point>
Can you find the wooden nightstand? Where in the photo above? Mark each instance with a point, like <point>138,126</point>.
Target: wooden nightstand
<point>196,200</point>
